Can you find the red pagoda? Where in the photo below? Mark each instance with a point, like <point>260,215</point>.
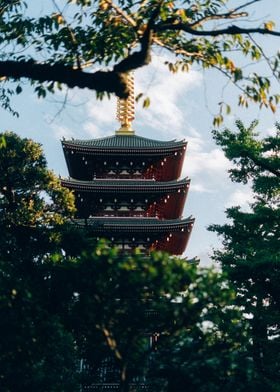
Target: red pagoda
<point>128,188</point>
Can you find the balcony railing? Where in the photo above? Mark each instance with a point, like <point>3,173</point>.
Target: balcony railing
<point>116,387</point>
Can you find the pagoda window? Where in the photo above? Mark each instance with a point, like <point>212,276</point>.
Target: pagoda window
<point>123,208</point>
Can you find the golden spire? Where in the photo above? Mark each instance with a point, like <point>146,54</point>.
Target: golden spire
<point>125,109</point>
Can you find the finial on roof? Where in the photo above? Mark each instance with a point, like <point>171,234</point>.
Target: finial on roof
<point>125,109</point>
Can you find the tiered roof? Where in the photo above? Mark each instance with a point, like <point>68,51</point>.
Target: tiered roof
<point>121,185</point>
<point>132,224</point>
<point>170,235</point>
<point>118,143</point>
<point>128,187</point>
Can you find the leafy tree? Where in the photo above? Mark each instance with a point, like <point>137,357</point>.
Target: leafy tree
<point>207,347</point>
<point>122,301</point>
<point>250,254</point>
<point>110,38</point>
<point>36,351</point>
<point>88,301</point>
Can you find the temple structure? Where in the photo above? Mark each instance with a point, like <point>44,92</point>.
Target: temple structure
<point>128,188</point>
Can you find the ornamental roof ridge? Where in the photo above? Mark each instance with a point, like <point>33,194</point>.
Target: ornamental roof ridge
<point>123,142</point>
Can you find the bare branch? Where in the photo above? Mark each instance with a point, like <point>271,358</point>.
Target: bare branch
<point>242,6</point>
<point>265,57</point>
<point>229,15</point>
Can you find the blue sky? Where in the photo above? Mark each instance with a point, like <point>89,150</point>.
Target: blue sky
<point>182,107</point>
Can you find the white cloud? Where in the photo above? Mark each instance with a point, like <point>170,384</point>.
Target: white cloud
<point>241,198</point>
<point>165,114</point>
<point>100,118</point>
<point>271,131</point>
<point>92,130</point>
<point>60,131</point>
<point>210,163</point>
<point>103,112</point>
<point>166,92</point>
<point>200,188</point>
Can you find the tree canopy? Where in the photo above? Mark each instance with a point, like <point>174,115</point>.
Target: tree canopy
<point>251,249</point>
<point>33,208</point>
<point>64,298</point>
<point>93,44</point>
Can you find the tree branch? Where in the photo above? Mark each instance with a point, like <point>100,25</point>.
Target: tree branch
<point>262,163</point>
<point>231,30</point>
<point>228,15</point>
<point>143,57</point>
<point>242,6</point>
<point>100,81</point>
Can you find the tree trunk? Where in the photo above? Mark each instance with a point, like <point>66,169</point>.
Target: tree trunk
<point>124,384</point>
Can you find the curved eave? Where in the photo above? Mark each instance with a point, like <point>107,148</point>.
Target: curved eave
<point>136,225</point>
<point>115,186</point>
<point>96,150</point>
<point>175,244</point>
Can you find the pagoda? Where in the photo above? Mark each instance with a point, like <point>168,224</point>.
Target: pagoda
<point>128,188</point>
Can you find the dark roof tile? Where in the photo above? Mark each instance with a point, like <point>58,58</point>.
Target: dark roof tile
<point>123,141</point>
<point>103,184</point>
<point>142,224</point>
